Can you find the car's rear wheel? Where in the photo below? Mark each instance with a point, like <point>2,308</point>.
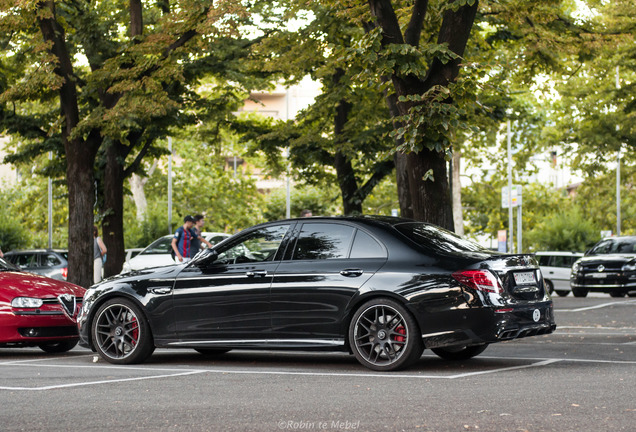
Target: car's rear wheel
<point>579,292</point>
<point>618,294</point>
<point>120,332</point>
<point>562,293</point>
<point>550,286</point>
<point>58,347</point>
<point>212,351</point>
<point>384,336</point>
<point>460,353</point>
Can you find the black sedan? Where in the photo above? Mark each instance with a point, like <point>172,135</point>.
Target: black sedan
<point>382,288</point>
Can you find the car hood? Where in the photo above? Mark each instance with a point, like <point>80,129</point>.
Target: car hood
<point>21,284</point>
<point>600,259</point>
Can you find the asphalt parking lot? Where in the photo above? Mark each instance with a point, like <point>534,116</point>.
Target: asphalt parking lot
<point>581,378</point>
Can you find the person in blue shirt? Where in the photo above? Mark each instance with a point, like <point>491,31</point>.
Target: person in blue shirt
<point>182,240</point>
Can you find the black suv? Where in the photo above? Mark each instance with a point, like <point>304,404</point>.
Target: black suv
<point>609,267</point>
<point>46,262</point>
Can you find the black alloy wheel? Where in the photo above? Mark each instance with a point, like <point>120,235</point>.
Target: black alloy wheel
<point>58,347</point>
<point>121,333</point>
<point>460,353</point>
<point>384,336</point>
<point>562,293</point>
<point>579,292</point>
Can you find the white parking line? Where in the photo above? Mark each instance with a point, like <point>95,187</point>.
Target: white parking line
<point>599,306</point>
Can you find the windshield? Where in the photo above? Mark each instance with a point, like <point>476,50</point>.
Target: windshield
<point>615,245</point>
<point>439,239</point>
<point>7,266</point>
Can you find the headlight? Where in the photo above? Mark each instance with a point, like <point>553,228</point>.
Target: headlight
<point>26,302</point>
<point>631,266</point>
<point>575,268</point>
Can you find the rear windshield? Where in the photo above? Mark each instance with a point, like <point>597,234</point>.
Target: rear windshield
<point>438,239</point>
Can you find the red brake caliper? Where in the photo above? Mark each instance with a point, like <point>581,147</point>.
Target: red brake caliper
<point>135,332</point>
<point>401,330</point>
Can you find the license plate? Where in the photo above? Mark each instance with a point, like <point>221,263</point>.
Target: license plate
<point>598,275</point>
<point>525,278</point>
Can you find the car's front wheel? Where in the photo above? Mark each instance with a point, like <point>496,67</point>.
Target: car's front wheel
<point>549,286</point>
<point>384,336</point>
<point>120,332</point>
<point>58,347</point>
<point>579,292</point>
<point>460,353</point>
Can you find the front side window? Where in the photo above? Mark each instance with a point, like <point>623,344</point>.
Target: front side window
<point>323,241</point>
<point>258,246</point>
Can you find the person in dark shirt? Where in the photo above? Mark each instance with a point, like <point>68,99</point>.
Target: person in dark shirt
<point>197,238</point>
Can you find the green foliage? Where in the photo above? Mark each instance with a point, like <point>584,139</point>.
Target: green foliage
<point>566,230</point>
<point>13,232</point>
<point>319,200</point>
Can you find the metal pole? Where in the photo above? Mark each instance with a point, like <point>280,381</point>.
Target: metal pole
<point>288,194</point>
<point>519,249</point>
<point>50,195</point>
<point>170,186</point>
<point>618,173</point>
<point>510,219</point>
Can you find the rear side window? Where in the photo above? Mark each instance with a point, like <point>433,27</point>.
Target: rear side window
<point>50,260</point>
<point>365,246</point>
<point>323,241</point>
<point>26,260</point>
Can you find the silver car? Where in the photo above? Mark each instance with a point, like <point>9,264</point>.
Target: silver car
<point>158,252</point>
<point>555,267</point>
<point>52,263</point>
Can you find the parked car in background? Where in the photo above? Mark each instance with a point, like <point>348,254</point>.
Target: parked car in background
<point>52,263</point>
<point>556,268</point>
<point>382,288</point>
<point>157,254</point>
<point>37,311</point>
<point>609,267</point>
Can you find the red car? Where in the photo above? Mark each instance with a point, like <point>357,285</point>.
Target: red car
<point>37,311</point>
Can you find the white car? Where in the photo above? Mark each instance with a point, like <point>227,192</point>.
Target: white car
<point>157,254</point>
<point>555,267</point>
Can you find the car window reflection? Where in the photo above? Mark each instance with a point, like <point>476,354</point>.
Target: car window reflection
<point>323,241</point>
<point>257,246</point>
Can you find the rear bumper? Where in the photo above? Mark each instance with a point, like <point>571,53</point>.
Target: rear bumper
<point>491,325</point>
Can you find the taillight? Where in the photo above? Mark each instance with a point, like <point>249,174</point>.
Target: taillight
<point>481,280</point>
<point>65,273</point>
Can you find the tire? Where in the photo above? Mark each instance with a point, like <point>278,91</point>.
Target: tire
<point>212,351</point>
<point>460,353</point>
<point>562,293</point>
<point>579,292</point>
<point>384,336</point>
<point>58,347</point>
<point>617,294</point>
<point>121,334</point>
<point>550,286</point>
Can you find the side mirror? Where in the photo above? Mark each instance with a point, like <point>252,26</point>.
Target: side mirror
<point>207,257</point>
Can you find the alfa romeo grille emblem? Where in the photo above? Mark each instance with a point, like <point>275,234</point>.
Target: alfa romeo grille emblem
<point>69,303</point>
<point>601,268</point>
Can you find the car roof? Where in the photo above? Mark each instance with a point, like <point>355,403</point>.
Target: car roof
<point>564,253</point>
<point>13,252</point>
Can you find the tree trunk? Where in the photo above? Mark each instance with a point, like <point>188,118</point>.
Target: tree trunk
<point>137,183</point>
<point>112,224</point>
<point>429,194</point>
<point>80,155</point>
<point>456,192</point>
<point>428,185</point>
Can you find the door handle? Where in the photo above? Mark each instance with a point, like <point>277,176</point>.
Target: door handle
<point>352,272</point>
<point>256,273</point>
<point>164,290</point>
